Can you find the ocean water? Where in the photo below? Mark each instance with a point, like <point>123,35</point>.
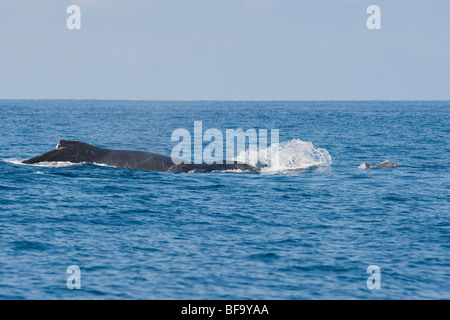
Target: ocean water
<point>308,230</point>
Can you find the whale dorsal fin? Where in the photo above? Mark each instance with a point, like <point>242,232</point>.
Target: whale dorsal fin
<point>68,144</point>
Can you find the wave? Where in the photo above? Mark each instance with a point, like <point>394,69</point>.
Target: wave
<point>287,156</point>
<point>52,164</point>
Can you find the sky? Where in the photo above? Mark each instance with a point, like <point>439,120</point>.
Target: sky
<point>225,50</point>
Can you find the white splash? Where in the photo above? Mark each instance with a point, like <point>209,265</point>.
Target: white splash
<point>52,164</point>
<point>292,155</point>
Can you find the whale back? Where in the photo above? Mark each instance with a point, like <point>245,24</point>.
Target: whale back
<point>78,152</point>
<point>71,151</point>
<point>386,164</point>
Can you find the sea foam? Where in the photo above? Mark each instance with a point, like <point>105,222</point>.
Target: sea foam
<point>52,164</point>
<point>292,155</point>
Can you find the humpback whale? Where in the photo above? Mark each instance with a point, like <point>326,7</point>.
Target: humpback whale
<point>78,152</point>
<point>384,164</point>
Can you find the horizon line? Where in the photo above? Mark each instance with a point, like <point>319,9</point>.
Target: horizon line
<point>227,100</point>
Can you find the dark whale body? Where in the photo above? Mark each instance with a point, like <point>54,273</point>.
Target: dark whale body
<point>385,164</point>
<point>77,152</point>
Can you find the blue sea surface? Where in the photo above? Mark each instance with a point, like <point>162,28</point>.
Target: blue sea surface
<point>298,234</point>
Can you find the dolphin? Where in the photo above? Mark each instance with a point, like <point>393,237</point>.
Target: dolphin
<point>384,164</point>
<point>78,152</point>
